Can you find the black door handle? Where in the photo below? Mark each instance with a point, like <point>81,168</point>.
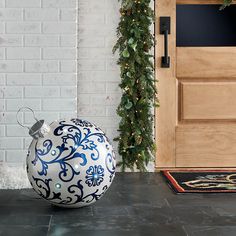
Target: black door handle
<point>165,30</point>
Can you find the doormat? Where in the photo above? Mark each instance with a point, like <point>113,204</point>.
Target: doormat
<point>201,181</point>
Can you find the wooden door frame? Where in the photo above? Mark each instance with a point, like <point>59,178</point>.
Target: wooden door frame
<point>166,116</point>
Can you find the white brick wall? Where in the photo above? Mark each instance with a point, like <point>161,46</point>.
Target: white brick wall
<point>38,54</point>
<point>98,92</point>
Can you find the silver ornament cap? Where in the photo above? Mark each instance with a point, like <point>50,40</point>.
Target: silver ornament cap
<point>39,129</point>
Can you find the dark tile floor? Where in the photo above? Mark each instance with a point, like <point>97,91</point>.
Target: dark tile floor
<point>136,204</point>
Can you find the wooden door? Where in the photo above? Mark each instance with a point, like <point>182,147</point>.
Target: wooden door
<point>196,122</point>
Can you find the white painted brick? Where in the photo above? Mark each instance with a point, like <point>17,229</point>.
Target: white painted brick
<point>111,65</point>
<point>27,142</point>
<point>23,3</point>
<point>2,79</point>
<point>12,92</point>
<point>91,87</point>
<point>103,122</point>
<point>91,65</point>
<point>68,92</point>
<point>68,14</point>
<point>92,19</point>
<point>111,133</point>
<point>2,156</point>
<point>1,94</point>
<point>41,40</point>
<point>40,14</point>
<point>2,28</point>
<point>23,53</point>
<point>59,79</point>
<point>111,110</point>
<point>9,117</point>
<point>110,41</point>
<point>91,42</point>
<point>59,53</point>
<point>113,6</point>
<point>92,7</point>
<point>8,14</point>
<point>2,130</point>
<point>91,31</point>
<point>43,92</point>
<point>99,53</point>
<point>23,79</point>
<point>48,117</point>
<point>112,18</point>
<point>85,75</point>
<point>11,143</point>
<point>16,131</point>
<point>59,28</point>
<point>16,156</point>
<point>68,66</point>
<point>105,99</point>
<point>59,104</point>
<point>15,104</point>
<point>2,3</point>
<point>113,87</point>
<point>112,23</point>
<point>59,3</point>
<point>11,66</point>
<point>83,99</point>
<point>41,66</point>
<point>23,27</point>
<point>11,40</point>
<point>99,75</point>
<point>91,111</point>
<point>2,53</point>
<point>68,41</point>
<point>68,115</point>
<point>18,165</point>
<point>2,105</point>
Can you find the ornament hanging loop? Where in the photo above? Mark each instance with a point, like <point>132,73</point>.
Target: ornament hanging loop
<point>17,116</point>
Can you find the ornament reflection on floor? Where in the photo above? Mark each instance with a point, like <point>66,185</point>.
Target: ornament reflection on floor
<point>70,163</point>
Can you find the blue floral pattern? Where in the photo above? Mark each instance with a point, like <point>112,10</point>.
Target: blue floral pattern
<point>73,148</point>
<point>94,175</point>
<point>77,139</point>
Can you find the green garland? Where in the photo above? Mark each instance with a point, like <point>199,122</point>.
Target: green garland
<point>226,3</point>
<point>135,40</point>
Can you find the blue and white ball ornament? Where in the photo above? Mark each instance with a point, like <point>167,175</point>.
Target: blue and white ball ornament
<point>70,163</point>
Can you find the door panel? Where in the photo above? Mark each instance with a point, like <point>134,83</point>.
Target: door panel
<point>207,100</point>
<point>205,145</point>
<point>195,125</point>
<point>206,62</point>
